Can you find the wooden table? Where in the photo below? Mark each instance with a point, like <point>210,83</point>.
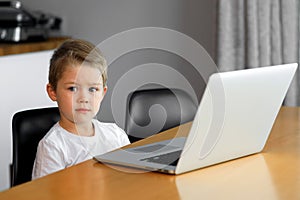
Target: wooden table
<point>272,174</point>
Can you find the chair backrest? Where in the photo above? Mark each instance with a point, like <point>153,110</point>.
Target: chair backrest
<point>154,110</point>
<point>28,128</point>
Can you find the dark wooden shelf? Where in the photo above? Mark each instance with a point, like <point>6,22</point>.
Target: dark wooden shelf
<point>17,48</point>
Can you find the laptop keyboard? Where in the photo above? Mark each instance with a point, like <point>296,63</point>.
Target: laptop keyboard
<point>154,148</point>
<point>166,159</point>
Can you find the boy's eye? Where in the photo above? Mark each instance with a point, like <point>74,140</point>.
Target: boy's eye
<point>93,89</point>
<point>73,89</point>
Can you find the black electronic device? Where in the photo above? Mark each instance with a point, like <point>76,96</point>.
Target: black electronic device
<point>18,24</point>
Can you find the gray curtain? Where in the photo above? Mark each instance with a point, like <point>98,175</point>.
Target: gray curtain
<point>256,33</point>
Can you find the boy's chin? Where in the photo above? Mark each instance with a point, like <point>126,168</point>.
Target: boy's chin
<point>83,120</point>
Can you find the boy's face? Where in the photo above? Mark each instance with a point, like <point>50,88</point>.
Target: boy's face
<point>78,94</point>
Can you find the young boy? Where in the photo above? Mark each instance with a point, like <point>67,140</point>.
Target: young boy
<point>77,82</point>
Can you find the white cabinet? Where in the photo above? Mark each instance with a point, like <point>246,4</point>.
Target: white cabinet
<point>22,86</point>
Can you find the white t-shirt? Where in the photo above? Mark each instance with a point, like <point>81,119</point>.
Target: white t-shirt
<point>60,149</point>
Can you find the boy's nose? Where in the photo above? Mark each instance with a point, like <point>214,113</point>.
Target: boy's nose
<point>83,101</point>
<point>82,97</point>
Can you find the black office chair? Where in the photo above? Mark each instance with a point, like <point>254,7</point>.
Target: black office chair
<point>28,128</point>
<point>154,110</point>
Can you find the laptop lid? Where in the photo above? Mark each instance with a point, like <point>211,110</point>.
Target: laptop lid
<point>236,115</point>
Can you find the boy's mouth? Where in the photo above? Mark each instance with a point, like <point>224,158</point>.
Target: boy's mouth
<point>82,110</point>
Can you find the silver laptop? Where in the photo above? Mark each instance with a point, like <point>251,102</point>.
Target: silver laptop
<point>234,119</point>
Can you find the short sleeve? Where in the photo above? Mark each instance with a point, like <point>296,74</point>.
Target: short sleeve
<point>49,159</point>
<point>123,137</point>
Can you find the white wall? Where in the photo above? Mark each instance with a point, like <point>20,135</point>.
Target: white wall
<point>22,85</point>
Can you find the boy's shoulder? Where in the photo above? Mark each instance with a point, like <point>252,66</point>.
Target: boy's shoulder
<point>54,134</point>
<point>111,132</point>
<point>105,125</point>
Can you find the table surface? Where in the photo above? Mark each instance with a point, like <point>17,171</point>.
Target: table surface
<point>272,174</point>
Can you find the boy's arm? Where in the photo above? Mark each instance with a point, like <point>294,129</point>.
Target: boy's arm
<point>49,159</point>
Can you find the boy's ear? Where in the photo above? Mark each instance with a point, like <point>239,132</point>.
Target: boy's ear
<point>104,90</point>
<point>51,92</point>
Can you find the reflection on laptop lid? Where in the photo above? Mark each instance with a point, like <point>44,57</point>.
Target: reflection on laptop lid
<point>234,119</point>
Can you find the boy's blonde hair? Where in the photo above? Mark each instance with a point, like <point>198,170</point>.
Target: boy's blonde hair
<point>76,52</point>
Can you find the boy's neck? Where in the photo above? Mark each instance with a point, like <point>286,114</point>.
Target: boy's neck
<point>84,129</point>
